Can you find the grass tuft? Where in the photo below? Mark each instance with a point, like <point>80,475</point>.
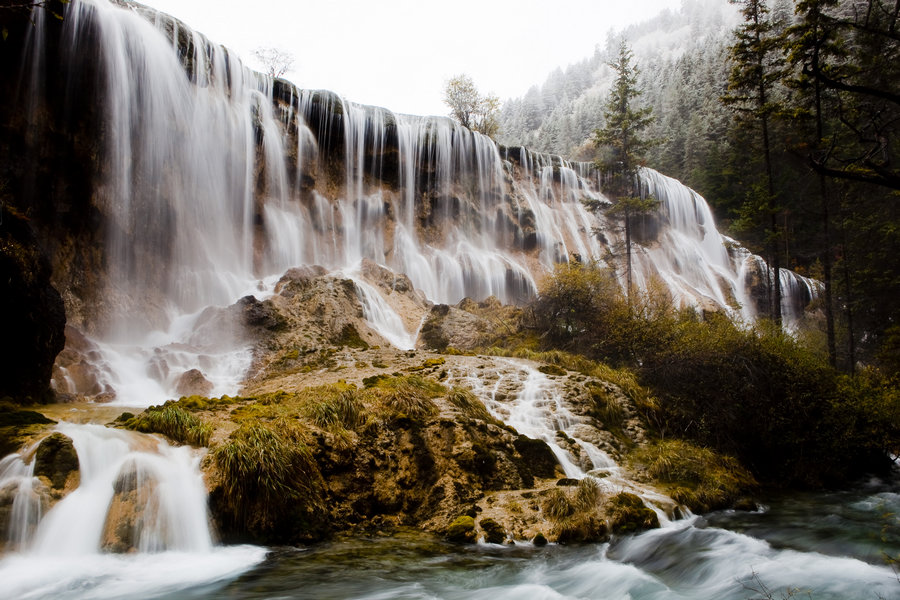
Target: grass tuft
<point>268,473</point>
<point>697,477</point>
<point>174,422</point>
<point>469,404</point>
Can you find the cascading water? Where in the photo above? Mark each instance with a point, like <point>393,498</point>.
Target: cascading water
<point>135,492</point>
<point>687,558</point>
<point>534,405</point>
<point>216,180</point>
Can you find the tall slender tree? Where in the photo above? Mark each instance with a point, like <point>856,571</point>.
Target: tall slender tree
<point>757,67</point>
<point>623,139</point>
<point>814,48</point>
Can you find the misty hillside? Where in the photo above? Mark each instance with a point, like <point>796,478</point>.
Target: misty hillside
<point>680,56</point>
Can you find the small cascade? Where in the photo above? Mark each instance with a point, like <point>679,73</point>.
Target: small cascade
<point>140,503</point>
<point>382,318</point>
<point>169,496</point>
<point>533,404</point>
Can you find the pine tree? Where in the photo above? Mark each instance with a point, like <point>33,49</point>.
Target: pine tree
<point>814,47</point>
<point>623,138</point>
<point>756,69</point>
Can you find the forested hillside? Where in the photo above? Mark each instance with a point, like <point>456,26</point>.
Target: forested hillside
<point>831,105</point>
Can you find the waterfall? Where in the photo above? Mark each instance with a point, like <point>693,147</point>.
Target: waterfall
<point>212,180</point>
<point>136,492</point>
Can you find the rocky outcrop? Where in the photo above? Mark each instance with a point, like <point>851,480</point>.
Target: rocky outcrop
<point>33,315</point>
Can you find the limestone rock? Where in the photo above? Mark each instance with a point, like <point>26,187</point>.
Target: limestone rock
<point>193,383</point>
<point>57,460</point>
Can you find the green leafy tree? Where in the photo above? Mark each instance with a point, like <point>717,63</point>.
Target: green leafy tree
<point>470,108</point>
<point>625,147</point>
<point>757,67</point>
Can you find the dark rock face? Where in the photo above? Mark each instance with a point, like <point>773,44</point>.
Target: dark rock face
<point>56,459</point>
<point>33,314</point>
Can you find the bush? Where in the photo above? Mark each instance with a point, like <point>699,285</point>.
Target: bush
<point>750,392</point>
<point>576,519</point>
<point>174,422</point>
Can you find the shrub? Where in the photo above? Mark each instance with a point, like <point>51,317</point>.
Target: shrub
<point>174,422</point>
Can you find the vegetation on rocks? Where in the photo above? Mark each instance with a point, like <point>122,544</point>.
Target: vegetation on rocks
<point>629,514</point>
<point>699,478</point>
<point>578,516</point>
<point>17,425</point>
<point>754,393</point>
<point>270,483</point>
<point>174,422</point>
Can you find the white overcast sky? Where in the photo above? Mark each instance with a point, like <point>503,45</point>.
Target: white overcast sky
<point>399,53</point>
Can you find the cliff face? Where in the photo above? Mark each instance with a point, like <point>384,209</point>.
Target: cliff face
<point>160,177</point>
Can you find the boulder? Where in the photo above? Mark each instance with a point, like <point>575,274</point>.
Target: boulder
<point>193,383</point>
<point>57,460</point>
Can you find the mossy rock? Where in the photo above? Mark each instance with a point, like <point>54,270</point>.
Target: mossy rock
<point>552,370</point>
<point>350,337</point>
<point>17,426</point>
<point>539,540</point>
<point>56,459</point>
<point>462,530</point>
<point>537,456</point>
<point>493,531</point>
<point>627,514</point>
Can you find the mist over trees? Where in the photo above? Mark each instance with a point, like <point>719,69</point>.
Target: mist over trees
<point>828,204</point>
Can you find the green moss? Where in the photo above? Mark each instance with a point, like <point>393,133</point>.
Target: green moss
<point>13,416</point>
<point>493,531</point>
<point>174,422</point>
<point>462,530</point>
<point>350,337</point>
<point>195,403</point>
<point>373,381</point>
<point>551,370</point>
<point>457,352</point>
<point>627,514</point>
<point>379,364</point>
